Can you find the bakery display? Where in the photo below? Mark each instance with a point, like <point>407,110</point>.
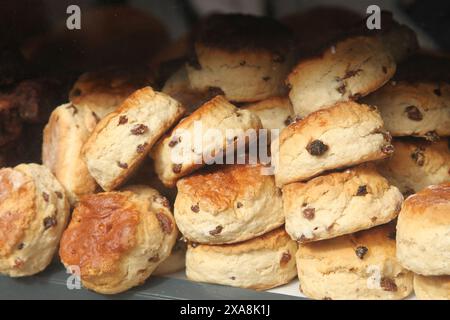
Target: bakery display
<point>232,203</point>
<point>423,245</point>
<point>117,239</point>
<point>34,212</point>
<point>362,265</point>
<point>339,203</point>
<point>261,263</point>
<point>343,135</point>
<point>416,164</point>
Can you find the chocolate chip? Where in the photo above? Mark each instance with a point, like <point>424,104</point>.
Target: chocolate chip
<point>309,213</point>
<point>341,89</point>
<point>387,284</point>
<point>438,92</point>
<point>384,69</point>
<point>122,120</point>
<point>362,191</point>
<point>387,149</point>
<point>141,148</point>
<point>139,129</point>
<point>266,78</point>
<point>74,109</point>
<point>317,148</point>
<point>21,246</point>
<point>164,222</point>
<point>239,205</point>
<point>176,168</point>
<point>195,208</point>
<point>216,231</point>
<point>174,141</point>
<point>59,194</point>
<point>122,165</point>
<point>361,251</point>
<point>49,222</point>
<point>418,156</point>
<point>45,196</point>
<point>414,113</point>
<point>432,136</point>
<point>285,258</point>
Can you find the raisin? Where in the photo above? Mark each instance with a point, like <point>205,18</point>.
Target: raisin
<point>285,258</point>
<point>139,129</point>
<point>122,165</point>
<point>361,252</point>
<point>122,120</point>
<point>418,156</point>
<point>317,148</point>
<point>174,141</point>
<point>45,196</point>
<point>59,194</point>
<point>239,205</point>
<point>161,200</point>
<point>362,191</point>
<point>165,223</point>
<point>233,278</point>
<point>387,149</point>
<point>243,63</point>
<point>266,78</point>
<point>414,113</point>
<point>141,148</point>
<point>176,168</point>
<point>309,213</point>
<point>21,246</point>
<point>49,222</point>
<point>195,208</point>
<point>350,74</point>
<point>216,231</point>
<point>388,284</point>
<point>342,88</point>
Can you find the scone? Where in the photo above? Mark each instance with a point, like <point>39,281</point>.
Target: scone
<point>179,88</point>
<point>414,108</point>
<point>122,139</point>
<point>228,204</point>
<point>357,266</point>
<point>422,231</point>
<point>432,288</point>
<point>341,136</point>
<point>67,130</point>
<point>247,57</point>
<point>34,211</point>
<point>202,136</point>
<point>261,263</point>
<point>104,91</point>
<point>339,203</point>
<point>117,239</point>
<point>175,262</point>
<point>348,70</point>
<point>417,164</point>
<point>274,112</point>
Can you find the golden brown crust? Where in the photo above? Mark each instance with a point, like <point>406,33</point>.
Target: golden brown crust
<point>434,200</point>
<point>103,229</point>
<point>271,241</point>
<point>17,208</point>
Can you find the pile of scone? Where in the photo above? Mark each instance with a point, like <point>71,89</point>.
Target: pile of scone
<point>324,209</point>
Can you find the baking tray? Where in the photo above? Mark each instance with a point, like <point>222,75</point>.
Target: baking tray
<point>51,284</point>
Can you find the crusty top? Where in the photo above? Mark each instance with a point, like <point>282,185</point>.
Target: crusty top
<point>432,204</point>
<point>350,250</point>
<point>103,229</point>
<point>17,208</point>
<point>219,188</point>
<point>343,114</point>
<point>272,240</point>
<point>238,32</point>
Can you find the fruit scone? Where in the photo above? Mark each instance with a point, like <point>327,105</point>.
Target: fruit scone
<point>339,203</point>
<point>343,135</point>
<point>423,228</point>
<point>202,137</point>
<point>417,164</point>
<point>362,265</point>
<point>117,239</point>
<point>122,140</point>
<point>228,204</point>
<point>245,56</point>
<point>260,263</point>
<point>34,211</point>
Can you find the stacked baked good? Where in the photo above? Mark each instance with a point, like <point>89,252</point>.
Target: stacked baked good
<point>120,148</point>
